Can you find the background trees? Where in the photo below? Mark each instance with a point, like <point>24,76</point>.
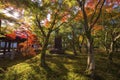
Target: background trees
<point>79,21</point>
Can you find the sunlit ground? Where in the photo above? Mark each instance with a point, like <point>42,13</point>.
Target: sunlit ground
<point>60,67</point>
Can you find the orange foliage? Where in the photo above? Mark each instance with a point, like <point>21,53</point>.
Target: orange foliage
<point>79,16</point>
<point>27,50</point>
<point>97,28</point>
<point>109,8</point>
<point>47,23</point>
<point>64,19</point>
<point>118,1</point>
<point>112,1</point>
<point>64,16</point>
<point>11,36</point>
<point>26,47</point>
<point>91,4</point>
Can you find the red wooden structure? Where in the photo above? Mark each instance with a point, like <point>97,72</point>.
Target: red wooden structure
<point>10,42</point>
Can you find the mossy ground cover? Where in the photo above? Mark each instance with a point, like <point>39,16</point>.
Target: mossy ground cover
<point>60,67</point>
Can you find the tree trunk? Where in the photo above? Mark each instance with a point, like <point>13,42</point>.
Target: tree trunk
<point>43,52</point>
<point>80,47</point>
<point>105,40</point>
<point>74,49</point>
<point>80,44</point>
<point>90,59</point>
<point>73,43</point>
<point>86,48</point>
<point>111,51</point>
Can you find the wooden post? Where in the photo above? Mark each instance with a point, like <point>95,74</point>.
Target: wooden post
<point>9,46</point>
<point>5,48</point>
<point>0,46</point>
<point>17,47</point>
<point>58,42</point>
<point>0,25</point>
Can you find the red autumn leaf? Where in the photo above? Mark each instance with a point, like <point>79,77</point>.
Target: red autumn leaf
<point>91,4</point>
<point>11,36</point>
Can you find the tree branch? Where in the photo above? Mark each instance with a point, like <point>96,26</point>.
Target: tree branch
<point>100,11</point>
<point>58,26</point>
<point>92,17</point>
<point>53,23</point>
<point>117,37</point>
<point>40,27</point>
<point>82,6</point>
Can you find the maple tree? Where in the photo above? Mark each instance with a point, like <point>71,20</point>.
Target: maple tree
<point>23,33</point>
<point>88,25</point>
<point>51,25</point>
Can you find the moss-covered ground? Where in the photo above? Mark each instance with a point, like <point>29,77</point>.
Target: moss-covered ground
<point>60,67</point>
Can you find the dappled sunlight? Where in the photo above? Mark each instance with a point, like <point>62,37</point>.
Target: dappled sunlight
<point>19,70</point>
<point>75,76</point>
<point>59,67</point>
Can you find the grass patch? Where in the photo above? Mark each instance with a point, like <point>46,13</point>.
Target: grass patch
<point>60,67</point>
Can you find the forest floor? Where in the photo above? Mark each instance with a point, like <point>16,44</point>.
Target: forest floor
<point>60,67</point>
